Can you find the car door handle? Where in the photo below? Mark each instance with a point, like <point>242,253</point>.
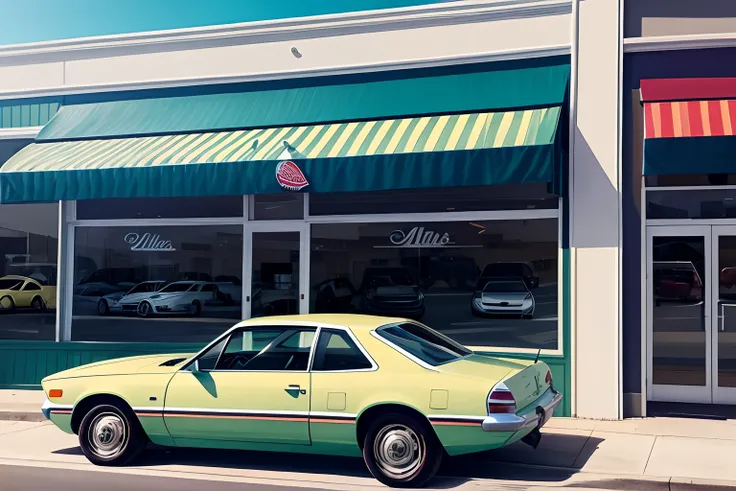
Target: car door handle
<point>298,387</point>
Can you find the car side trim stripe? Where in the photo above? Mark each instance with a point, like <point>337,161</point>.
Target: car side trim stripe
<point>455,420</point>
<point>241,416</point>
<point>294,416</point>
<point>476,424</point>
<point>60,411</point>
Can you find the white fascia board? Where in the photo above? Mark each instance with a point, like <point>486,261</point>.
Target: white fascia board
<point>435,35</point>
<point>673,43</point>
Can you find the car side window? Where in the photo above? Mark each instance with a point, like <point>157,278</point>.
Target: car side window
<point>208,360</point>
<point>268,349</point>
<point>336,351</point>
<point>209,288</point>
<point>31,287</point>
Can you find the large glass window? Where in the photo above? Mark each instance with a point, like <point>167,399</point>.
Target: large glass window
<point>28,271</point>
<point>484,283</point>
<point>156,283</point>
<point>471,198</point>
<point>182,207</point>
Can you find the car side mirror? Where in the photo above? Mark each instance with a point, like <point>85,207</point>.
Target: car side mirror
<point>195,368</point>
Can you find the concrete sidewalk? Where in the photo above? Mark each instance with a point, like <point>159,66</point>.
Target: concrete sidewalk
<point>652,453</point>
<point>21,405</point>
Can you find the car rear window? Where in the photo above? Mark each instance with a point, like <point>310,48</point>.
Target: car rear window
<point>422,343</point>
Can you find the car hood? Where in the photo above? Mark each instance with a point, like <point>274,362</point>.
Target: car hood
<point>124,366</point>
<point>165,295</point>
<point>485,367</point>
<point>135,297</point>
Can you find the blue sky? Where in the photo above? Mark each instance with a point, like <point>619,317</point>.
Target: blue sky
<point>26,21</point>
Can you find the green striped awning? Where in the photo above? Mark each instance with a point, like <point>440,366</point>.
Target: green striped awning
<point>431,151</point>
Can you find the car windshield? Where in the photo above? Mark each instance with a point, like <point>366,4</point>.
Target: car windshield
<point>10,284</point>
<point>505,287</point>
<point>389,277</point>
<point>504,269</point>
<point>177,287</point>
<point>144,288</point>
<point>422,343</point>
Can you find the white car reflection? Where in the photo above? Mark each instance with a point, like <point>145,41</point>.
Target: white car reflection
<point>181,297</point>
<point>128,301</point>
<point>504,296</point>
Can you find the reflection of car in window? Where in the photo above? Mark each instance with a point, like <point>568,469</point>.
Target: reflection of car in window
<point>120,301</point>
<point>181,297</point>
<point>514,270</point>
<point>22,292</point>
<point>334,296</point>
<point>389,291</point>
<point>728,277</point>
<point>115,276</point>
<point>504,296</point>
<point>676,281</point>
<point>43,273</point>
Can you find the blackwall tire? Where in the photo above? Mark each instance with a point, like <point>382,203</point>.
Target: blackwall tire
<point>402,451</point>
<point>111,436</point>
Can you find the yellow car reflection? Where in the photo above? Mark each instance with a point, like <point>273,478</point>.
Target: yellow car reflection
<point>22,292</point>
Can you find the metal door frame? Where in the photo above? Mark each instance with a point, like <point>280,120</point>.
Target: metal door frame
<point>271,227</point>
<point>679,393</point>
<point>721,395</point>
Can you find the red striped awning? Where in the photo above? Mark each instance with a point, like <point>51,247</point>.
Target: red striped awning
<point>689,126</point>
<point>690,119</point>
<point>689,107</point>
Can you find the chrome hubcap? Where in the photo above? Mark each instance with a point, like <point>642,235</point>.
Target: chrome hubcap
<point>399,451</point>
<point>107,435</point>
<point>5,303</point>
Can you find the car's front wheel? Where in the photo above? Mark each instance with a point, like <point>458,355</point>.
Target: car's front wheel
<point>144,309</point>
<point>111,436</point>
<point>402,451</point>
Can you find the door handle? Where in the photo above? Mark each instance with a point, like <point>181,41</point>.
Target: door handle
<point>296,387</point>
<point>247,298</point>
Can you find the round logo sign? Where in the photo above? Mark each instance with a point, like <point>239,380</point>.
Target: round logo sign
<point>290,176</point>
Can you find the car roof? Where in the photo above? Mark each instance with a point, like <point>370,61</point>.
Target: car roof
<point>355,322</point>
<point>16,277</point>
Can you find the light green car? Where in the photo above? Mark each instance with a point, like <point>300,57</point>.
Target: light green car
<point>392,390</point>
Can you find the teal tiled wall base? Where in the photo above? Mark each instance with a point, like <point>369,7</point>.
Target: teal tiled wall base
<point>24,363</point>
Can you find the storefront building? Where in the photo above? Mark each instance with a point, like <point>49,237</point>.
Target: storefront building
<point>678,254</point>
<point>158,189</point>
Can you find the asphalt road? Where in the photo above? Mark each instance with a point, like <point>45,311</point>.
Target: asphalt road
<point>21,478</point>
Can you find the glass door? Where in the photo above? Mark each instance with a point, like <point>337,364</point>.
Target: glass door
<point>723,314</point>
<point>678,289</point>
<point>276,264</point>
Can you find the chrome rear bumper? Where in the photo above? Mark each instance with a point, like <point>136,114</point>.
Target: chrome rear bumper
<point>536,415</point>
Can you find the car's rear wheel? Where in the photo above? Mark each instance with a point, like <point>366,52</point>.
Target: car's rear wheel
<point>103,308</point>
<point>402,451</point>
<point>7,304</point>
<point>111,436</point>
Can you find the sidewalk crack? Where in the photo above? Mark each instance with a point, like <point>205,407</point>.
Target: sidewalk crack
<point>651,451</point>
<point>582,449</point>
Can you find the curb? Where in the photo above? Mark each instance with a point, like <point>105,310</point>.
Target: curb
<point>28,416</point>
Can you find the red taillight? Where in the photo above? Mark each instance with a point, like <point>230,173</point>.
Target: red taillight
<point>501,400</point>
<point>548,378</point>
